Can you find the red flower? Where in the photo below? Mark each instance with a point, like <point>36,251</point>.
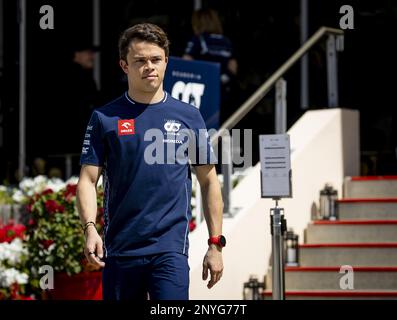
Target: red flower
<point>11,231</point>
<point>71,189</point>
<point>19,230</point>
<point>192,224</point>
<point>31,222</point>
<point>14,288</point>
<point>70,192</point>
<point>20,297</point>
<point>46,243</point>
<point>47,191</point>
<point>52,206</point>
<point>2,234</point>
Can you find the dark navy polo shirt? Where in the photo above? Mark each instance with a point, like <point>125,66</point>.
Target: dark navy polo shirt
<point>144,151</point>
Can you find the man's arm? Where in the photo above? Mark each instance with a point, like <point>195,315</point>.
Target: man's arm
<point>213,213</point>
<point>87,207</point>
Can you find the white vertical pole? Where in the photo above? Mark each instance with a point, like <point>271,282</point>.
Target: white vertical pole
<point>1,35</point>
<point>96,12</point>
<point>22,88</point>
<point>278,284</point>
<point>281,106</point>
<point>332,72</point>
<point>304,33</point>
<point>197,4</point>
<point>1,66</point>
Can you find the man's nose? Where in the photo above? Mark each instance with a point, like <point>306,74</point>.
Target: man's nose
<point>149,64</point>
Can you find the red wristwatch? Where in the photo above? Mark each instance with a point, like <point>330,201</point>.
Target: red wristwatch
<point>218,240</point>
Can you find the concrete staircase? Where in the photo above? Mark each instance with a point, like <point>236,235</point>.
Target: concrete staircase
<point>364,238</point>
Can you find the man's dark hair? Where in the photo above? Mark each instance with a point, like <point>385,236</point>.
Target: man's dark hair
<point>144,32</point>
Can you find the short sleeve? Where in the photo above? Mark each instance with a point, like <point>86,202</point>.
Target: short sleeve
<point>204,153</point>
<point>92,151</point>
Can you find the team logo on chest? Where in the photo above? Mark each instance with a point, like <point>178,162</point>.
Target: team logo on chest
<point>126,127</point>
<point>171,126</point>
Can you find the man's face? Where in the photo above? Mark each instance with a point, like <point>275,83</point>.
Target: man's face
<point>145,66</point>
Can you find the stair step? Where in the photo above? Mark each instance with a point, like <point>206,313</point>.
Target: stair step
<point>335,295</point>
<point>366,209</point>
<point>329,278</point>
<point>352,231</point>
<point>370,187</point>
<point>358,254</point>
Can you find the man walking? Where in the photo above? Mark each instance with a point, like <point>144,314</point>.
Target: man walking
<point>147,195</point>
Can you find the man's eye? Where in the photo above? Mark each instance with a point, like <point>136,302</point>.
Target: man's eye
<point>156,60</point>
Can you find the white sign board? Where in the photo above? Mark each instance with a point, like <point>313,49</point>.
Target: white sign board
<point>275,157</point>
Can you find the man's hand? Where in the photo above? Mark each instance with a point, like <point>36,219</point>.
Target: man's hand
<point>214,263</point>
<point>93,247</point>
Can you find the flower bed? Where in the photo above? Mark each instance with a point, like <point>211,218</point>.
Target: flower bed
<point>47,231</point>
<point>14,274</point>
<point>52,237</point>
<point>54,234</point>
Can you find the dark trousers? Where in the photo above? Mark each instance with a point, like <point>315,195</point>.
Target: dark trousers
<point>162,276</point>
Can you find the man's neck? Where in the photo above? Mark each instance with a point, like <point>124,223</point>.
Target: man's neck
<point>147,97</point>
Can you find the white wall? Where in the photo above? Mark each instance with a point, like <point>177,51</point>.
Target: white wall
<point>325,148</point>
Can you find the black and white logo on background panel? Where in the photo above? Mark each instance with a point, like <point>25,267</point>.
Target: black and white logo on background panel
<point>190,92</point>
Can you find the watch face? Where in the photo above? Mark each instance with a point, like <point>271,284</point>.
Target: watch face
<point>222,241</point>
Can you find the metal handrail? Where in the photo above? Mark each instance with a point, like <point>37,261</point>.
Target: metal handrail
<point>269,83</point>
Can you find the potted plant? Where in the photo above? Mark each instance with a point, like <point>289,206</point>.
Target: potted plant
<point>55,238</point>
<point>14,275</point>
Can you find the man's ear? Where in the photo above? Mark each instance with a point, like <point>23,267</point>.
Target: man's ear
<point>124,65</point>
<point>166,59</point>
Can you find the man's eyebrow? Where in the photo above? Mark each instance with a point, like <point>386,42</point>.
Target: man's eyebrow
<point>143,57</point>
